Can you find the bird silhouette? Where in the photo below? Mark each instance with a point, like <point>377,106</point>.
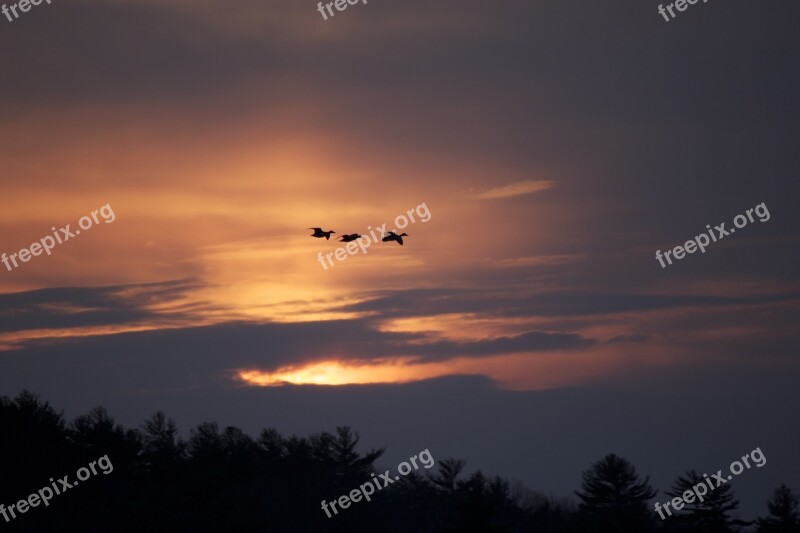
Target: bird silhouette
<point>350,238</point>
<point>392,236</point>
<point>318,233</point>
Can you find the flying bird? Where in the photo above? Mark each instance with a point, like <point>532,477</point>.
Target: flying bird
<point>392,236</point>
<point>318,233</point>
<point>350,238</point>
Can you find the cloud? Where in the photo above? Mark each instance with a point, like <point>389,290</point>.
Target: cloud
<point>531,341</point>
<point>515,189</point>
<point>74,307</point>
<point>636,337</point>
<point>536,260</point>
<point>515,302</point>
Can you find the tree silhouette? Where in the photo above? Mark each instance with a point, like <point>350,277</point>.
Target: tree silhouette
<point>545,514</point>
<point>449,470</point>
<point>613,497</point>
<point>784,516</point>
<point>710,515</point>
<point>345,456</point>
<point>96,434</point>
<point>224,480</point>
<point>34,443</point>
<point>205,442</point>
<point>161,446</point>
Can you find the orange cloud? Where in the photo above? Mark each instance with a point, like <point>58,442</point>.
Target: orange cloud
<point>515,189</point>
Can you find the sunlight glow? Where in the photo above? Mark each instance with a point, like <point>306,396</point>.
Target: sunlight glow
<point>519,371</point>
<point>345,373</point>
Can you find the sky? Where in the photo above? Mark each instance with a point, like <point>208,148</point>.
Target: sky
<point>547,150</point>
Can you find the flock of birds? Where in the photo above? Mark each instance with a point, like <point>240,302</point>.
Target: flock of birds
<point>388,236</point>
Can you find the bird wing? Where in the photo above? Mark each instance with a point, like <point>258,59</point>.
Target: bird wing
<point>400,240</point>
<point>317,230</point>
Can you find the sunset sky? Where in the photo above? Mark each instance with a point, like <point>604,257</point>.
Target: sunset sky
<point>526,327</point>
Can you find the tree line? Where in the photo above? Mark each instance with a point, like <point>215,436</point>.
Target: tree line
<point>222,479</point>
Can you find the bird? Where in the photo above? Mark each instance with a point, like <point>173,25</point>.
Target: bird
<point>318,233</point>
<point>392,236</point>
<point>350,238</point>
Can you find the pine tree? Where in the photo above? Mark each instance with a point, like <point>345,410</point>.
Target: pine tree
<point>710,515</point>
<point>613,497</point>
<point>784,515</point>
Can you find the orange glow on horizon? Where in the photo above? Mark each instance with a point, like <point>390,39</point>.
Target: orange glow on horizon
<point>345,373</point>
<point>520,371</point>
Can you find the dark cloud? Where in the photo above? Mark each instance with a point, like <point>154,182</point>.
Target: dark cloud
<point>416,302</point>
<point>72,307</point>
<point>628,338</point>
<point>207,356</point>
<point>532,341</point>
